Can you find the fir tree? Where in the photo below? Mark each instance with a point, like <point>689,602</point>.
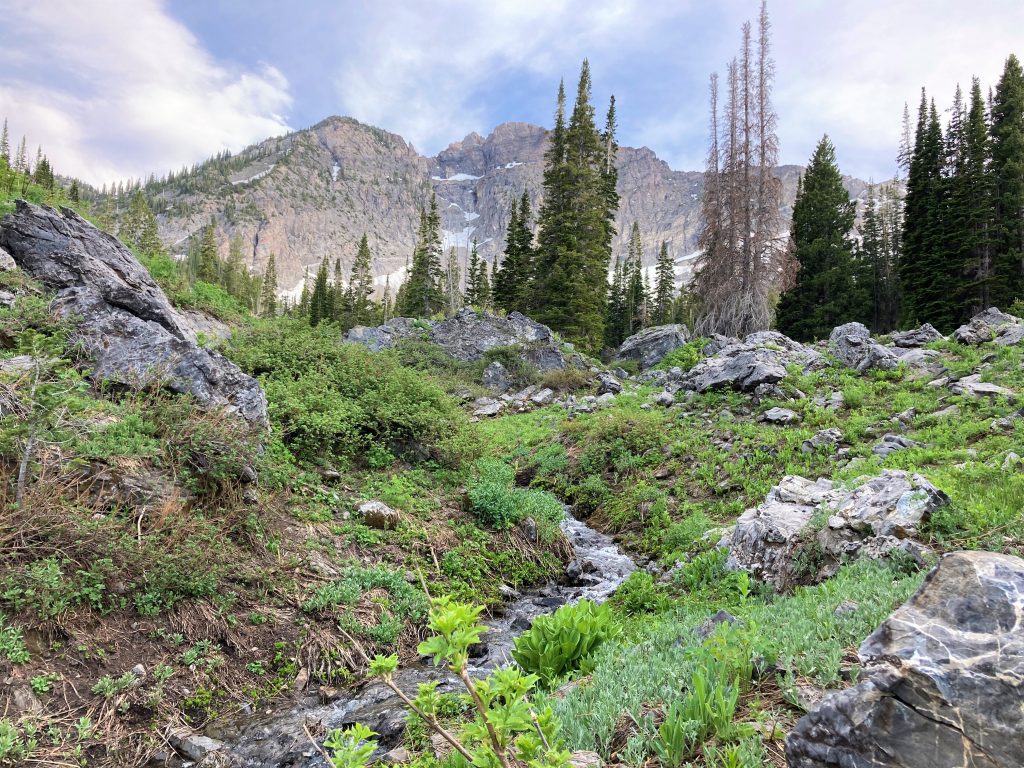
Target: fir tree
<point>826,293</point>
<point>385,302</point>
<point>321,308</point>
<point>73,194</point>
<point>304,297</point>
<point>268,291</point>
<point>235,277</point>
<point>476,272</point>
<point>422,293</point>
<point>636,294</point>
<point>209,265</point>
<point>5,145</point>
<point>513,282</point>
<point>1008,182</point>
<point>615,324</point>
<point>665,287</point>
<point>452,279</point>
<point>139,228</point>
<point>361,283</point>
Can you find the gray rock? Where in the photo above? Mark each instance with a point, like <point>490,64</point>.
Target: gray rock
<point>608,384</point>
<point>944,679</point>
<point>845,608</point>
<point>496,377</point>
<point>651,345</point>
<point>917,358</point>
<point>1011,461</point>
<point>542,396</point>
<point>664,399</point>
<point>486,406</point>
<point>717,342</point>
<point>891,443</point>
<point>123,321</point>
<point>824,437</point>
<point>833,402</point>
<point>379,515</point>
<point>705,630</point>
<point>918,337</point>
<point>984,326</point>
<point>194,746</point>
<point>893,504</point>
<point>6,261</point>
<point>761,359</point>
<point>1010,335</point>
<point>781,416</point>
<point>606,399</point>
<point>585,759</point>
<point>853,346</point>
<point>974,387</point>
<point>620,373</point>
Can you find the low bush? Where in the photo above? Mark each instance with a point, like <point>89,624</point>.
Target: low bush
<point>558,644</point>
<point>497,503</point>
<point>684,357</point>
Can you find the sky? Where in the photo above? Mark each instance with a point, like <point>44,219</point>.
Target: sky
<point>116,89</point>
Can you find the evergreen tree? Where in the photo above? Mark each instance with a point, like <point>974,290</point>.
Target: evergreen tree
<point>1008,182</point>
<point>321,308</point>
<point>235,278</point>
<point>268,291</point>
<point>304,297</point>
<point>73,194</point>
<point>361,283</point>
<point>476,271</point>
<point>636,293</point>
<point>513,282</point>
<point>209,266</point>
<point>43,175</point>
<point>576,222</point>
<point>422,293</point>
<point>665,287</point>
<point>615,324</point>
<point>452,279</point>
<point>139,229</point>
<point>385,302</point>
<point>5,145</point>
<point>826,293</point>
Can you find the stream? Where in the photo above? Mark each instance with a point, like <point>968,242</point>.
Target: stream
<point>275,739</point>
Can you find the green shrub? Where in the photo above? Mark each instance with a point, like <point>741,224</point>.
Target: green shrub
<point>639,594</point>
<point>12,643</point>
<point>497,503</point>
<point>560,643</point>
<point>684,357</point>
<point>521,372</point>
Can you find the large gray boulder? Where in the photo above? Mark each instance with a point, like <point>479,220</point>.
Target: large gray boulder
<point>469,335</point>
<point>650,346</point>
<point>881,514</point>
<point>917,337</point>
<point>853,345</point>
<point>124,324</point>
<point>945,679</point>
<point>760,359</point>
<point>988,326</point>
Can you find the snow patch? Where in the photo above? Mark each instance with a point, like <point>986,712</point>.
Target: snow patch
<point>513,164</point>
<point>335,170</point>
<point>470,216</point>
<point>450,239</point>
<point>457,177</point>
<point>254,177</point>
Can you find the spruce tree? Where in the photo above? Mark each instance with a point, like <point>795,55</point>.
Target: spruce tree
<point>826,293</point>
<point>485,294</point>
<point>268,291</point>
<point>474,270</point>
<point>513,282</point>
<point>422,294</point>
<point>615,324</point>
<point>1008,183</point>
<point>385,301</point>
<point>321,308</point>
<point>5,145</point>
<point>138,227</point>
<point>636,294</point>
<point>73,194</point>
<point>665,287</point>
<point>209,265</point>
<point>361,284</point>
<point>235,273</point>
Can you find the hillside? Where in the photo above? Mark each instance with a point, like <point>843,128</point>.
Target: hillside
<point>314,192</point>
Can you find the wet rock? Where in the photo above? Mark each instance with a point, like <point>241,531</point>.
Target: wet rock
<point>780,416</point>
<point>496,377</point>
<point>917,337</point>
<point>943,679</point>
<point>651,345</point>
<point>124,324</point>
<point>974,387</point>
<point>985,326</point>
<point>853,345</point>
<point>608,384</point>
<point>891,443</point>
<point>379,515</point>
<point>824,437</point>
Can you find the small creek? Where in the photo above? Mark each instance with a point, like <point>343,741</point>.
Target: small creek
<point>276,739</point>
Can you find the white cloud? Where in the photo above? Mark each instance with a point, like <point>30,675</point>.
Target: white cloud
<point>146,95</point>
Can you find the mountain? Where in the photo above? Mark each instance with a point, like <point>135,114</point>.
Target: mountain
<point>314,192</point>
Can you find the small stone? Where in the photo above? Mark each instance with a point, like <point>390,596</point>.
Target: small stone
<point>608,384</point>
<point>1011,461</point>
<point>486,406</point>
<point>543,396</point>
<point>825,437</point>
<point>139,671</point>
<point>781,416</point>
<point>398,755</point>
<point>705,630</point>
<point>664,399</point>
<point>892,443</point>
<point>845,608</point>
<point>585,759</point>
<point>606,399</point>
<point>377,514</point>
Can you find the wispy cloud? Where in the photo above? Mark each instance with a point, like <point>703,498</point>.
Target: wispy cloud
<point>110,88</point>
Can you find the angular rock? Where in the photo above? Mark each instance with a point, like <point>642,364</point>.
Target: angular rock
<point>891,443</point>
<point>853,345</point>
<point>831,437</point>
<point>945,679</point>
<point>486,406</point>
<point>893,504</point>
<point>379,515</point>
<point>496,377</point>
<point>542,396</point>
<point>973,385</point>
<point>780,416</point>
<point>194,746</point>
<point>6,261</point>
<point>608,384</point>
<point>918,337</point>
<point>123,321</point>
<point>984,326</point>
<point>651,345</point>
<point>1010,335</point>
<point>760,359</point>
<point>664,399</point>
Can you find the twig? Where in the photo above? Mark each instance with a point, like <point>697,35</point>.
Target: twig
<point>482,709</point>
<point>536,723</point>
<point>316,744</point>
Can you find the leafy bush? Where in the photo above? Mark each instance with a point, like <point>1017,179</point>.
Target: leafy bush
<point>639,594</point>
<point>566,379</point>
<point>498,504</point>
<point>339,402</point>
<point>684,357</point>
<point>558,644</point>
<point>521,372</point>
<point>12,643</point>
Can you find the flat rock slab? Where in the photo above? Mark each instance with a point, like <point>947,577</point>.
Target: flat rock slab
<point>945,679</point>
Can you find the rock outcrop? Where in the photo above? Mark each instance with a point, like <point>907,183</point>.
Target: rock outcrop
<point>124,323</point>
<point>878,516</point>
<point>469,334</point>
<point>853,345</point>
<point>945,679</point>
<point>991,325</point>
<point>917,337</point>
<point>759,360</point>
<point>650,346</point>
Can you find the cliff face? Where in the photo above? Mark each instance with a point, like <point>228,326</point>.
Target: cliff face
<point>313,193</point>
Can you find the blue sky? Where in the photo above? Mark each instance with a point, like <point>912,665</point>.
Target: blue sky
<point>119,88</point>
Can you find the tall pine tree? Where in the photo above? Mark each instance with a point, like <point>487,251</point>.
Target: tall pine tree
<point>321,305</point>
<point>422,294</point>
<point>361,284</point>
<point>268,292</point>
<point>665,287</point>
<point>514,280</point>
<point>1008,181</point>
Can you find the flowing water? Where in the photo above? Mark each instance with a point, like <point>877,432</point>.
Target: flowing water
<point>276,739</point>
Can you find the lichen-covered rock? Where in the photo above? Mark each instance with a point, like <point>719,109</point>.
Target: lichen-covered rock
<point>496,377</point>
<point>761,358</point>
<point>124,323</point>
<point>650,346</point>
<point>945,679</point>
<point>853,345</point>
<point>985,326</point>
<point>917,337</point>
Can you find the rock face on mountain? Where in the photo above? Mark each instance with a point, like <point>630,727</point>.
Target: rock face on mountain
<point>945,679</point>
<point>469,334</point>
<point>313,193</point>
<point>123,321</point>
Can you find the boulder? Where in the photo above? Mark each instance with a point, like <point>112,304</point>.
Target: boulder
<point>891,443</point>
<point>486,406</point>
<point>853,345</point>
<point>944,679</point>
<point>761,358</point>
<point>496,377</point>
<point>124,324</point>
<point>974,387</point>
<point>379,515</point>
<point>608,384</point>
<point>469,334</point>
<point>780,416</point>
<point>985,326</point>
<point>823,437</point>
<point>917,337</point>
<point>6,261</point>
<point>542,396</point>
<point>651,345</point>
<point>664,399</point>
